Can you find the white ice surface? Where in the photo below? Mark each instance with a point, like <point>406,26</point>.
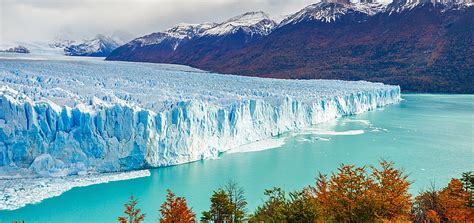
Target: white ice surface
<point>259,145</point>
<point>16,193</point>
<point>67,117</point>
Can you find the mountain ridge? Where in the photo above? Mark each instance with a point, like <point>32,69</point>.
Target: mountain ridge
<point>422,46</point>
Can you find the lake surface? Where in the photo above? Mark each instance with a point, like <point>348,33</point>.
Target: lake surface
<point>430,136</point>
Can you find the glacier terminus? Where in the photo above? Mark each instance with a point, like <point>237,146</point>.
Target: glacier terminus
<point>60,117</point>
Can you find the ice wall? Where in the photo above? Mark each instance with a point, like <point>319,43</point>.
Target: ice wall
<point>51,133</point>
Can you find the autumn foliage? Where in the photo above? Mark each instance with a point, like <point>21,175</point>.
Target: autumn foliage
<point>354,195</point>
<point>451,204</point>
<point>351,194</point>
<point>176,210</point>
<point>390,188</point>
<point>133,213</point>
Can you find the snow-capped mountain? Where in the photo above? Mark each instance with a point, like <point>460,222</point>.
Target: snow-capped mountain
<point>402,5</point>
<point>252,23</point>
<point>197,38</point>
<point>423,45</point>
<point>186,30</point>
<point>62,43</point>
<point>16,49</point>
<point>330,11</point>
<point>174,35</point>
<point>99,46</point>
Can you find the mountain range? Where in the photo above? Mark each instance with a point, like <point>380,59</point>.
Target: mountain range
<point>98,46</point>
<point>423,46</point>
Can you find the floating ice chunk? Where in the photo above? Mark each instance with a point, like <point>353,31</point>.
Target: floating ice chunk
<point>316,131</point>
<point>362,121</point>
<point>260,145</point>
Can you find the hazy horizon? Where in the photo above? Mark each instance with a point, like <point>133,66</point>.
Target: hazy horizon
<point>45,20</point>
<point>33,20</point>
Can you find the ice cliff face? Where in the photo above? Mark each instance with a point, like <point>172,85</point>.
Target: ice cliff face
<point>62,117</point>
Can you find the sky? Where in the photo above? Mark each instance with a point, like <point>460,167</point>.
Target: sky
<point>43,20</point>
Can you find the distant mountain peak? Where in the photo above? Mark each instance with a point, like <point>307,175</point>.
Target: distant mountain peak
<point>331,10</point>
<point>16,49</point>
<point>188,30</point>
<point>401,5</point>
<point>343,2</point>
<point>253,23</point>
<point>100,46</point>
<point>175,35</point>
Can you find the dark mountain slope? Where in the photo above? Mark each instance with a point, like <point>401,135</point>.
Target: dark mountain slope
<point>421,47</point>
<point>423,50</point>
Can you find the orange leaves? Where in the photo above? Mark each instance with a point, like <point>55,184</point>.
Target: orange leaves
<point>451,204</point>
<point>390,188</point>
<point>432,216</point>
<point>133,213</point>
<point>454,200</point>
<point>353,195</point>
<point>345,196</point>
<point>175,210</point>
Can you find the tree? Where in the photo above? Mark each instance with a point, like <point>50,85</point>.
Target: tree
<point>133,213</point>
<point>237,198</point>
<point>454,202</point>
<point>426,207</point>
<point>432,217</point>
<point>221,208</point>
<point>274,208</point>
<point>468,181</point>
<point>175,210</point>
<point>302,207</point>
<point>299,207</point>
<point>390,192</point>
<point>353,195</point>
<point>346,196</point>
<point>451,204</point>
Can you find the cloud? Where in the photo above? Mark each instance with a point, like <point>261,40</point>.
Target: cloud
<point>42,20</point>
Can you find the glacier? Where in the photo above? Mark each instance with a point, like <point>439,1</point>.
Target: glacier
<point>17,193</point>
<point>64,117</point>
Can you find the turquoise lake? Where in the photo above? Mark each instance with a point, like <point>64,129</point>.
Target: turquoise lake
<point>430,136</point>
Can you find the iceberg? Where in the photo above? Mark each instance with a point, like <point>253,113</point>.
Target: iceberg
<point>60,118</point>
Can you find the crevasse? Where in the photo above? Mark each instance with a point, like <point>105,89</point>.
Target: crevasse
<point>41,131</point>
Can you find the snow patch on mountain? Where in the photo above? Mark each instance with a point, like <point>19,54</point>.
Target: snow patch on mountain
<point>253,23</point>
<point>186,30</point>
<point>401,5</point>
<point>100,46</point>
<point>15,49</point>
<point>175,35</point>
<point>331,11</point>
